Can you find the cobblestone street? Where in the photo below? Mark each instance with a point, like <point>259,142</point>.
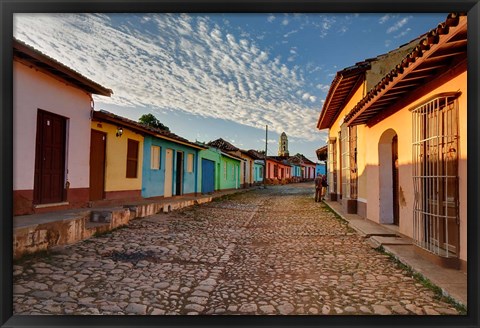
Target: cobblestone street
<point>272,251</point>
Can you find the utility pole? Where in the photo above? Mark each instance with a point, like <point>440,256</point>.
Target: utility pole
<point>265,158</point>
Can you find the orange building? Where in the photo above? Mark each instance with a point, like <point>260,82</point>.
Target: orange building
<point>397,152</point>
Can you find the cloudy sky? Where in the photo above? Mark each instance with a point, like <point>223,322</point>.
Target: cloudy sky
<point>221,75</point>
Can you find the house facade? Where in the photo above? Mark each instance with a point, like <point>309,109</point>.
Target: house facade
<point>219,170</point>
<point>320,168</point>
<point>277,170</point>
<point>230,171</point>
<point>404,138</point>
<point>246,168</point>
<point>170,166</point>
<point>209,170</point>
<point>51,129</point>
<point>116,158</point>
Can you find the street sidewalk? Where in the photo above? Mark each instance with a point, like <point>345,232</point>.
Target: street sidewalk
<point>37,232</point>
<point>452,282</point>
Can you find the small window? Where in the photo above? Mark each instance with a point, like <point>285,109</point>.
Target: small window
<point>225,170</point>
<point>190,163</point>
<point>155,157</point>
<point>132,158</point>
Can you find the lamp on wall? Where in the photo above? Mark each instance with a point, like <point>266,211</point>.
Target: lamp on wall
<point>119,131</point>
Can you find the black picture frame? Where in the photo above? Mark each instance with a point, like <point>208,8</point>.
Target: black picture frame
<point>10,7</point>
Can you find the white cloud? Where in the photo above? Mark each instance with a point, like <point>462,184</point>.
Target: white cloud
<point>286,35</point>
<point>285,22</point>
<point>398,25</point>
<point>182,63</point>
<point>403,33</point>
<point>384,18</point>
<point>323,87</point>
<point>271,18</point>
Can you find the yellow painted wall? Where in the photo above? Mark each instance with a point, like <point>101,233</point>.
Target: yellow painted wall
<point>116,158</point>
<point>333,133</point>
<point>401,122</point>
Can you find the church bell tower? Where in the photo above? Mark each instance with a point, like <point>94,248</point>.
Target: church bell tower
<point>283,145</point>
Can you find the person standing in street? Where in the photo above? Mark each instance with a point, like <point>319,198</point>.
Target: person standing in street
<point>318,187</point>
<point>324,186</point>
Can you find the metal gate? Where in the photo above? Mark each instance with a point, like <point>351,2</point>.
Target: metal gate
<point>435,175</point>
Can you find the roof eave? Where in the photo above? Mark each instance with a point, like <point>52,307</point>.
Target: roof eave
<point>53,67</point>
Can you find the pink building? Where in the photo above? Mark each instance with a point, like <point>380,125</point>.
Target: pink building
<point>51,132</point>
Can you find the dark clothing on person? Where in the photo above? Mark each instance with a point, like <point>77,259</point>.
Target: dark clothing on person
<point>318,188</point>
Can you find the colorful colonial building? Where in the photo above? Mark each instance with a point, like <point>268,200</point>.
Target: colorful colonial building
<point>51,129</point>
<point>398,141</point>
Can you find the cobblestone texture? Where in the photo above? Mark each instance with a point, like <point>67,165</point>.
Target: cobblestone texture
<point>268,252</point>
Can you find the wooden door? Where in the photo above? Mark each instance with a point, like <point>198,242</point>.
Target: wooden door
<point>49,159</point>
<point>168,173</point>
<point>179,176</point>
<point>208,176</point>
<point>97,164</point>
<point>396,208</point>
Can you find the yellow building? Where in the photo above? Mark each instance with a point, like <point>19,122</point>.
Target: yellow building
<point>116,158</point>
<point>397,150</point>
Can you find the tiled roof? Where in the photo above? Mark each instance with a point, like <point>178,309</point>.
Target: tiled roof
<point>25,53</point>
<point>322,153</point>
<point>223,145</point>
<point>255,154</point>
<point>340,91</point>
<point>302,159</point>
<point>436,52</point>
<point>143,128</point>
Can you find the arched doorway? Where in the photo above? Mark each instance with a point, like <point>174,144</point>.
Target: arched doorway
<point>388,177</point>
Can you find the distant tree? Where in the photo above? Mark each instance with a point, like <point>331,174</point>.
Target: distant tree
<point>151,120</point>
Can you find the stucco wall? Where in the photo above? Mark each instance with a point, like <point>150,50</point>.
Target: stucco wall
<point>232,180</point>
<point>154,180</point>
<point>116,158</point>
<point>214,156</point>
<point>333,133</point>
<point>33,90</point>
<point>401,123</point>
<point>258,177</point>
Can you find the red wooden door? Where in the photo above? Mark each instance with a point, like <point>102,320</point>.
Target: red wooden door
<point>49,159</point>
<point>97,164</point>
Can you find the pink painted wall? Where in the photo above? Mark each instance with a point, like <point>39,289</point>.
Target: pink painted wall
<point>33,90</point>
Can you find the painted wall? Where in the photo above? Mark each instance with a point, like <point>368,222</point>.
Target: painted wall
<point>320,169</point>
<point>33,90</point>
<point>258,172</point>
<point>230,180</point>
<point>401,123</point>
<point>212,154</point>
<point>334,133</point>
<point>248,169</point>
<point>154,179</point>
<point>296,171</point>
<point>116,158</point>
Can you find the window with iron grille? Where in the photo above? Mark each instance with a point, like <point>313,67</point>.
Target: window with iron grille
<point>353,161</point>
<point>332,162</point>
<point>345,161</point>
<point>349,161</point>
<point>435,175</point>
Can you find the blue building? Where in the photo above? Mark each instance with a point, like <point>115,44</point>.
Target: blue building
<point>320,168</point>
<point>170,165</point>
